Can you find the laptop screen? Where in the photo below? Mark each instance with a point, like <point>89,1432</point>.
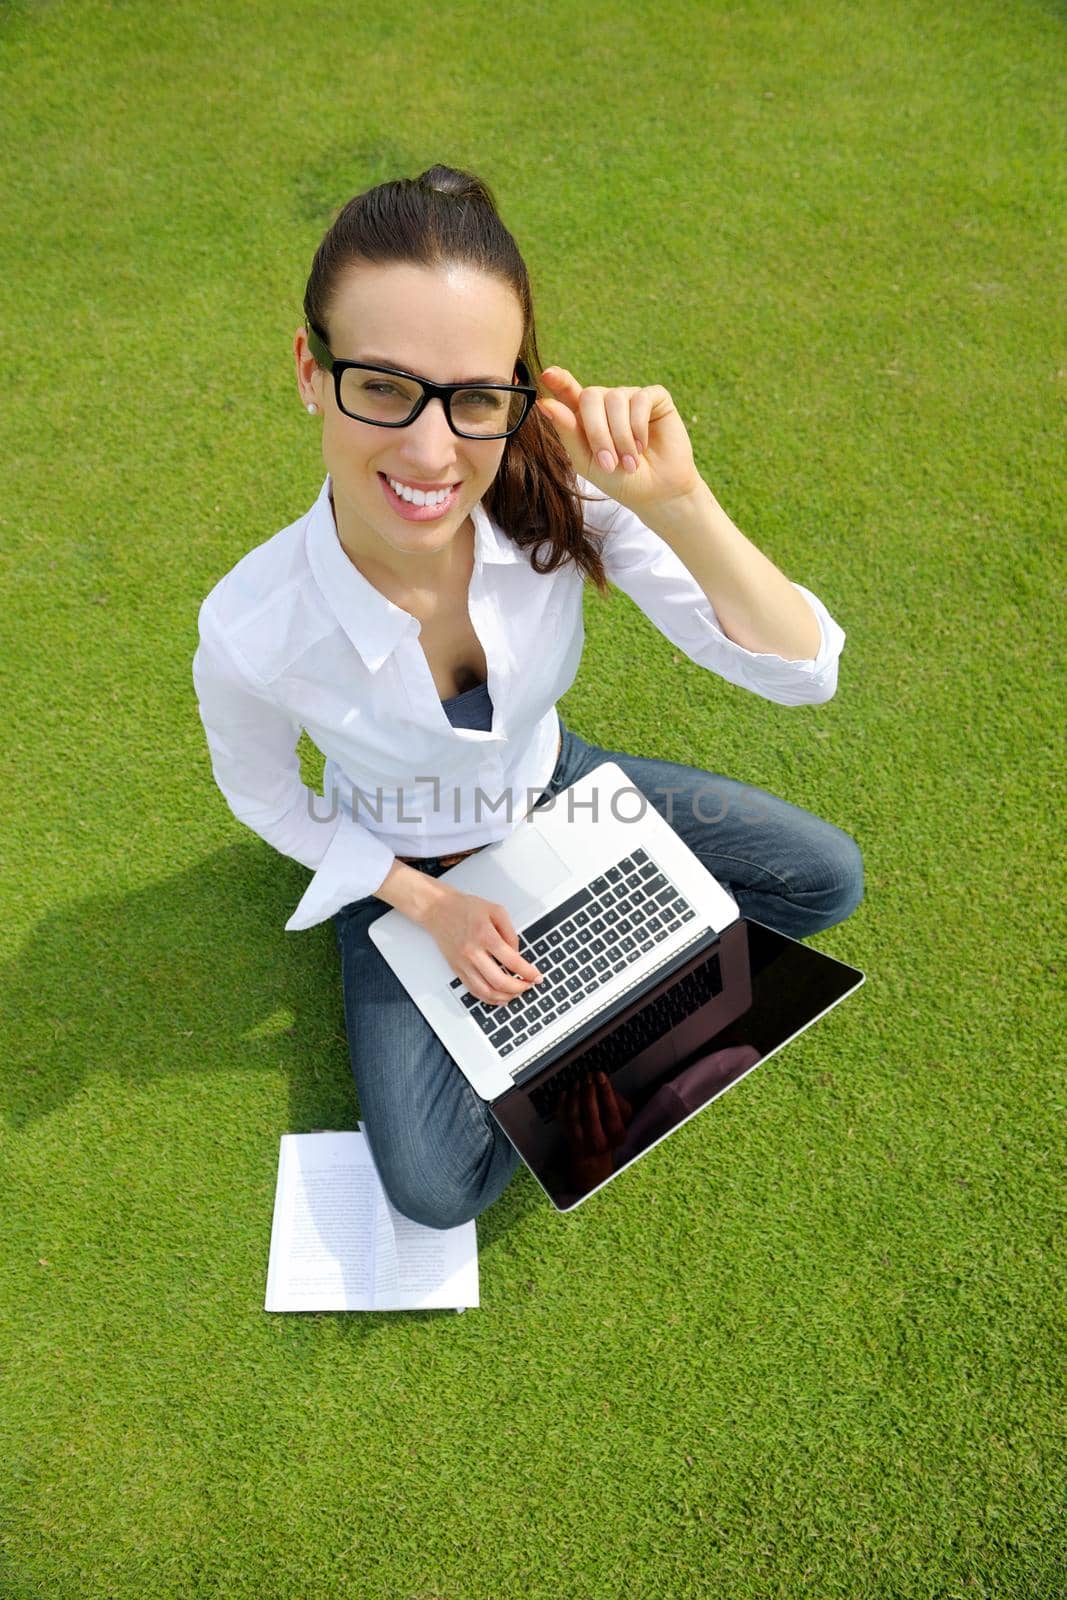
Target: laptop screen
<point>599,1108</point>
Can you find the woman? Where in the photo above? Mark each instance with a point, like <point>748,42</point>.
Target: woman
<point>423,618</point>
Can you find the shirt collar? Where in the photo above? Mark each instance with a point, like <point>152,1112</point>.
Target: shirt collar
<point>373,623</point>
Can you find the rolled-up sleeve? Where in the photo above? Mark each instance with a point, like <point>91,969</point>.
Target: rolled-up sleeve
<point>252,743</point>
<point>645,567</point>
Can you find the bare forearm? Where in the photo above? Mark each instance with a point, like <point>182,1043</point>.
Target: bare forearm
<point>757,606</point>
<point>410,891</point>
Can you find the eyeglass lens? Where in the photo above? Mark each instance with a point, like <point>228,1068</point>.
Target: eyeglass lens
<point>382,397</point>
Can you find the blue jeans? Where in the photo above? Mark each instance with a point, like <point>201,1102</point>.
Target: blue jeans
<point>441,1156</point>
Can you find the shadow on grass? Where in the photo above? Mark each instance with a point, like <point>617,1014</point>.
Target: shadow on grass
<point>193,976</point>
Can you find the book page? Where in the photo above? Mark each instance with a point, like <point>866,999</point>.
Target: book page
<point>338,1243</point>
<point>433,1266</point>
<point>423,1268</point>
<point>322,1238</point>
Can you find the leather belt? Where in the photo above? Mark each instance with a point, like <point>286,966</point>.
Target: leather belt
<point>460,855</point>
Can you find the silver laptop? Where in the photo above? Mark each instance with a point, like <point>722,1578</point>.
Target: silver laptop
<point>603,894</point>
<point>657,997</point>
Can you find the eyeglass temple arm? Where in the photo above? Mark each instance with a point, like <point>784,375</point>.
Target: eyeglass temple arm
<point>318,348</point>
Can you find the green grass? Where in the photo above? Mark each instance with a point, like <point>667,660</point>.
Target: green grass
<point>811,1346</point>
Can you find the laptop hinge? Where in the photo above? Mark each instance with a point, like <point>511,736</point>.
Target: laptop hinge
<point>595,1020</point>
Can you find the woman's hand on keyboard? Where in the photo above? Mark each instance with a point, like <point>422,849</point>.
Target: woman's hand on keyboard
<point>477,938</point>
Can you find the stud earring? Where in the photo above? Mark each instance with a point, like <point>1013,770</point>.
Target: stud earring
<point>312,407</point>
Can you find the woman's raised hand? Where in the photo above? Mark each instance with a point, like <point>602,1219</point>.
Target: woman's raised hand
<point>604,430</point>
<point>477,938</point>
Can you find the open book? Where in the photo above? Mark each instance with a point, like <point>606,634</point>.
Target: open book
<point>339,1244</point>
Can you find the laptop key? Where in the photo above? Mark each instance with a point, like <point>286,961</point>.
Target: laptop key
<point>558,914</point>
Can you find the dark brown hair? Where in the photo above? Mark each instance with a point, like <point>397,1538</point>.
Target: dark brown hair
<point>446,216</point>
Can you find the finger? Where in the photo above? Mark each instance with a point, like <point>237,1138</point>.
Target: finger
<point>503,983</point>
<point>618,404</point>
<point>497,985</point>
<point>562,385</point>
<point>567,412</point>
<point>659,400</point>
<point>561,417</point>
<point>640,413</point>
<point>501,919</point>
<point>513,964</point>
<point>511,982</point>
<point>592,409</point>
<point>511,958</point>
<point>525,973</point>
<point>489,997</point>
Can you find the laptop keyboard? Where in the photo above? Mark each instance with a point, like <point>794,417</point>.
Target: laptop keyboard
<point>582,944</point>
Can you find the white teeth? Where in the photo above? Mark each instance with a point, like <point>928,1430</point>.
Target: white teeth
<point>418,497</point>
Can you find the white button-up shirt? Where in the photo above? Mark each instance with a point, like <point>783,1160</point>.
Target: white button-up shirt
<point>295,637</point>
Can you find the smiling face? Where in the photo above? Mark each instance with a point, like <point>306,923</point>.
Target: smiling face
<point>450,324</point>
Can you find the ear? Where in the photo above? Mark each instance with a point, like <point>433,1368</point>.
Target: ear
<point>309,374</point>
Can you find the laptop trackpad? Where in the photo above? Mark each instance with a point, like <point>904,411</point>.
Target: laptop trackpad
<point>524,878</point>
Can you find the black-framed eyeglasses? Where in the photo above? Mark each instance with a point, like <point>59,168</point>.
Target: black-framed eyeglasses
<point>391,398</point>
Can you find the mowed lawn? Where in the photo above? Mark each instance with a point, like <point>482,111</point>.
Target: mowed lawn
<point>811,1346</point>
